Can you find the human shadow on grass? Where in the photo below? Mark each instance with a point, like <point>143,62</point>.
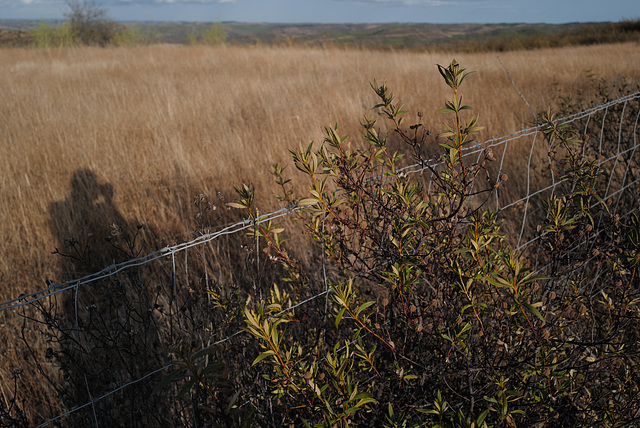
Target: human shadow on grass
<point>104,333</point>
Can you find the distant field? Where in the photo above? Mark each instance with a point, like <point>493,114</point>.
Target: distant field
<point>419,36</point>
<point>164,123</point>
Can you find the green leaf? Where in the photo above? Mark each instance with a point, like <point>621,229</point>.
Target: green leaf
<point>233,400</point>
<point>428,411</point>
<point>363,307</point>
<point>203,352</point>
<point>482,417</point>
<point>262,356</point>
<point>339,316</point>
<point>364,401</point>
<point>533,310</point>
<point>186,387</point>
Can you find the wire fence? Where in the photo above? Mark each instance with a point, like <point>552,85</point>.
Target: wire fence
<point>410,169</point>
<point>616,144</point>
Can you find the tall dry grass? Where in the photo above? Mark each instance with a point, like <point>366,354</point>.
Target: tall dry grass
<point>164,123</point>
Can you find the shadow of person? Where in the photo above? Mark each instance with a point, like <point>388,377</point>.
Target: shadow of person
<point>105,330</point>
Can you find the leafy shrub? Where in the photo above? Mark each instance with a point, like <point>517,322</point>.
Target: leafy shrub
<point>46,36</point>
<point>90,23</point>
<point>215,34</point>
<point>129,36</point>
<point>86,23</point>
<point>432,318</point>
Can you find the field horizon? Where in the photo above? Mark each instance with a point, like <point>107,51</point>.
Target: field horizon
<point>452,38</point>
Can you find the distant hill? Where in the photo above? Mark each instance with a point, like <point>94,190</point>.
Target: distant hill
<point>382,35</point>
<point>364,35</point>
<point>458,37</point>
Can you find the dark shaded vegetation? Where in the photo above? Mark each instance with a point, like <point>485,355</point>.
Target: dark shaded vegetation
<point>572,35</point>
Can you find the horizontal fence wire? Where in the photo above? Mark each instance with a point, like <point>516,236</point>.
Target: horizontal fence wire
<point>25,299</point>
<point>240,226</point>
<point>53,289</point>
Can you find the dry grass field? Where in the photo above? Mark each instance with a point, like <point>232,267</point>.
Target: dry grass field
<point>161,124</point>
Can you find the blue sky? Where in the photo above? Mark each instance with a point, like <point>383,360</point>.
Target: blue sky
<point>342,11</point>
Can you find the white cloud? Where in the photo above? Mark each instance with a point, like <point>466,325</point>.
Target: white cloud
<point>116,2</point>
<point>31,2</point>
<point>420,2</point>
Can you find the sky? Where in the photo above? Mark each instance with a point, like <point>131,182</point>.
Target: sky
<point>342,11</point>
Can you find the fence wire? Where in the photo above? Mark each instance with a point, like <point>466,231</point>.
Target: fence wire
<point>620,182</point>
<point>419,167</point>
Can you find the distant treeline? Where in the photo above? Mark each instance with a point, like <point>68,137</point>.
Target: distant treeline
<point>580,34</point>
<point>429,37</point>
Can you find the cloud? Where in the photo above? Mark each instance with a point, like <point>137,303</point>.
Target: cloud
<point>16,3</point>
<point>420,2</point>
<point>176,1</point>
<point>116,2</point>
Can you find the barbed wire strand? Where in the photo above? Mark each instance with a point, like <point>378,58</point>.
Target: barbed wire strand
<point>494,142</point>
<point>245,224</point>
<point>26,299</point>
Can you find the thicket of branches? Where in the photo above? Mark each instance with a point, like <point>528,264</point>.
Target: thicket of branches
<point>86,23</point>
<point>90,23</point>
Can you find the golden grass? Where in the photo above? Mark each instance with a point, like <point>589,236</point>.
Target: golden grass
<point>163,123</point>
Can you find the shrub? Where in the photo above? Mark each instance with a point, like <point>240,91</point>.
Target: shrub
<point>129,36</point>
<point>60,36</point>
<point>433,318</point>
<point>90,23</point>
<point>215,34</point>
